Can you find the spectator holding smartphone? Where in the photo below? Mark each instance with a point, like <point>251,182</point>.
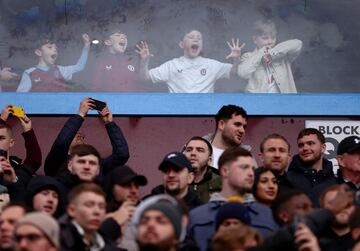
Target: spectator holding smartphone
<point>57,159</point>
<point>16,172</point>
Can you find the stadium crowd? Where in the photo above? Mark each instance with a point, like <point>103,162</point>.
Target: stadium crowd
<point>213,196</point>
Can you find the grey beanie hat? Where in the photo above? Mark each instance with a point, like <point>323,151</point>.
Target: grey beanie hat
<point>168,206</point>
<point>45,223</point>
<point>172,212</point>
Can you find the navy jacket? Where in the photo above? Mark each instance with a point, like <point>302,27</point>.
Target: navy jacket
<point>310,181</point>
<point>56,160</point>
<point>202,220</point>
<point>191,199</point>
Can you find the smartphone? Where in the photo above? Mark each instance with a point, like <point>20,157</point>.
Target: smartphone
<point>18,111</point>
<point>3,153</point>
<point>99,105</point>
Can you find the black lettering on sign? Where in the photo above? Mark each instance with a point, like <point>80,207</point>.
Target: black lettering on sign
<point>337,130</point>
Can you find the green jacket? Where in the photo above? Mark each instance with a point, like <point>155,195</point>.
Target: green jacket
<point>209,184</point>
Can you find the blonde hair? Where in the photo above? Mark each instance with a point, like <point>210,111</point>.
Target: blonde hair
<point>262,27</point>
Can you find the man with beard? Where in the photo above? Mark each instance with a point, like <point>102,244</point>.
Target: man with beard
<point>309,171</point>
<point>159,224</point>
<point>231,122</point>
<point>177,176</point>
<point>275,154</point>
<point>190,73</point>
<point>206,178</point>
<point>236,166</point>
<point>37,231</point>
<point>337,236</point>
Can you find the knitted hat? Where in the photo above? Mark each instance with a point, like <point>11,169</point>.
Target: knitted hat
<point>171,212</point>
<point>165,204</point>
<point>45,223</point>
<point>232,210</point>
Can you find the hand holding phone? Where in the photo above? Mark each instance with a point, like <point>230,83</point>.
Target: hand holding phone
<point>99,105</point>
<point>18,111</point>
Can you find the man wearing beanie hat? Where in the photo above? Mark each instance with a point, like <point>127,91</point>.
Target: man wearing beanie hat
<point>236,166</point>
<point>232,213</point>
<point>348,157</point>
<point>37,231</point>
<point>177,176</point>
<point>158,224</point>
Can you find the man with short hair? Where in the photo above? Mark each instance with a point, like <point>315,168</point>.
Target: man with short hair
<point>16,172</point>
<point>231,122</point>
<point>159,224</point>
<point>289,205</point>
<point>83,166</point>
<point>309,171</point>
<point>337,236</point>
<point>37,232</point>
<point>275,154</point>
<point>206,178</point>
<point>33,158</point>
<point>177,176</point>
<point>348,157</point>
<point>85,214</point>
<point>236,166</point>
<point>11,214</point>
<point>69,136</point>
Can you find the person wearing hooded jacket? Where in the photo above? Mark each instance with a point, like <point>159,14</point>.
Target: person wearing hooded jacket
<point>46,194</point>
<point>309,171</point>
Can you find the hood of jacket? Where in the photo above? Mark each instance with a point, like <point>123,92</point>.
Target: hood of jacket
<point>40,183</point>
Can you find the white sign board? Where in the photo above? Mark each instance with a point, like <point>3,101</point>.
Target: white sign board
<point>334,131</point>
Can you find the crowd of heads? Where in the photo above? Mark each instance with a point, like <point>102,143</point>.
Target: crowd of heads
<point>236,205</point>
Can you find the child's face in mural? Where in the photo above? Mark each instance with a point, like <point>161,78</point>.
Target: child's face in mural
<point>117,42</point>
<point>192,44</point>
<point>48,53</point>
<point>267,40</point>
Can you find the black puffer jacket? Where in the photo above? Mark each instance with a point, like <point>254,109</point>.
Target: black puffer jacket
<point>40,183</point>
<point>191,199</point>
<point>310,181</point>
<point>56,160</point>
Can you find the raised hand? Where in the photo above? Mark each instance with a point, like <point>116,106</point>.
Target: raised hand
<point>143,51</point>
<point>235,49</point>
<point>305,239</point>
<point>86,40</point>
<point>26,123</point>
<point>5,113</point>
<point>7,75</point>
<point>123,214</point>
<point>85,106</point>
<point>7,170</point>
<point>106,115</point>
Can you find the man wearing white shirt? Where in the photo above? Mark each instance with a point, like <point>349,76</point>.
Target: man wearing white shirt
<point>231,122</point>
